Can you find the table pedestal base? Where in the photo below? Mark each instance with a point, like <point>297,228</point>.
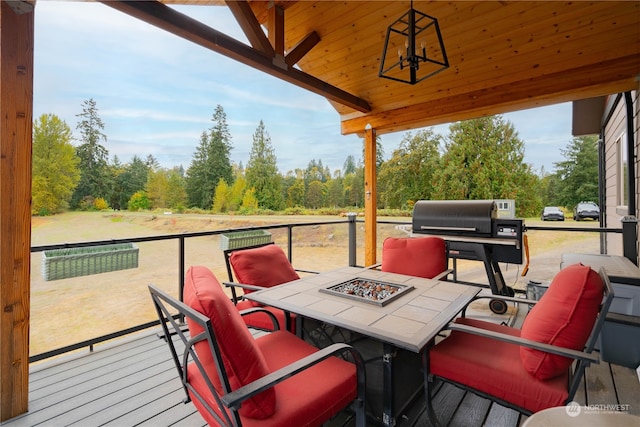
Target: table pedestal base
<point>394,377</point>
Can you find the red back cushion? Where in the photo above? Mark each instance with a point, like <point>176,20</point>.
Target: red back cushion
<point>265,266</point>
<point>564,316</point>
<point>242,359</point>
<point>420,256</point>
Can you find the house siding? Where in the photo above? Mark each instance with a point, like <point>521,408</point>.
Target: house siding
<point>616,130</point>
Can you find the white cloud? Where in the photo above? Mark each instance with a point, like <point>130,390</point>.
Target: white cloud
<point>157,92</point>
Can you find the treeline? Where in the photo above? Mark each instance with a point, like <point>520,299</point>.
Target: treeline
<point>479,159</point>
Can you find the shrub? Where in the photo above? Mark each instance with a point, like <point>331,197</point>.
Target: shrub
<point>44,212</point>
<point>139,201</point>
<point>100,204</point>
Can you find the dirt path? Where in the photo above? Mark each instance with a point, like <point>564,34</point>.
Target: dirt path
<point>71,310</point>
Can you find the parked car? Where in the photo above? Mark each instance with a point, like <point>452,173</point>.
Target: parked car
<point>586,210</point>
<point>552,213</point>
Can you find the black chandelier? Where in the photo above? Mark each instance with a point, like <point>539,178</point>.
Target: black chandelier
<point>406,61</point>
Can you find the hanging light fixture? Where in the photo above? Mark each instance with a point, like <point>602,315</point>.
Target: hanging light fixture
<point>413,49</point>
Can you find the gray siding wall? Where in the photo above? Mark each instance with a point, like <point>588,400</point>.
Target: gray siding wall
<point>615,139</point>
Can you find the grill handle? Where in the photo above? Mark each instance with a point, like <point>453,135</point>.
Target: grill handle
<point>436,227</point>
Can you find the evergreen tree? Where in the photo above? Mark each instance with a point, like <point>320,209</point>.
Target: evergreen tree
<point>152,163</point>
<point>55,165</point>
<point>95,179</point>
<point>262,171</point>
<point>349,166</point>
<point>132,179</point>
<point>211,162</point>
<point>198,176</point>
<point>116,170</point>
<point>316,172</point>
<point>578,173</point>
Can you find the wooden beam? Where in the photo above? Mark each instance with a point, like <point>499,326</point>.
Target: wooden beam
<point>301,49</point>
<point>161,16</point>
<point>250,26</point>
<point>275,27</point>
<point>370,196</point>
<point>16,114</point>
<point>601,79</point>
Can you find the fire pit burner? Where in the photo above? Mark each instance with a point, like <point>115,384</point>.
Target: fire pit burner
<point>368,290</point>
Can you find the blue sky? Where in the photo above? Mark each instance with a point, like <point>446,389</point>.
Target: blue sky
<point>156,93</point>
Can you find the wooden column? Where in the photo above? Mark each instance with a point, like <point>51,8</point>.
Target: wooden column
<point>16,116</point>
<point>370,196</point>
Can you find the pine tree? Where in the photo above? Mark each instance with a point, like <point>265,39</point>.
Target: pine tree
<point>578,173</point>
<point>95,179</point>
<point>211,162</point>
<point>262,171</point>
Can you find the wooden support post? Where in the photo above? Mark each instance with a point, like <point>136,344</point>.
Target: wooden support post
<point>370,196</point>
<point>16,118</point>
<point>276,28</point>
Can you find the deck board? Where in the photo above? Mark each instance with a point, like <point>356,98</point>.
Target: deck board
<point>133,382</point>
<point>501,416</point>
<point>627,387</point>
<point>600,386</point>
<point>472,411</point>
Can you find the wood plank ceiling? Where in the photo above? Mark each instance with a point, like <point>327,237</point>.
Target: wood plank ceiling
<point>503,56</point>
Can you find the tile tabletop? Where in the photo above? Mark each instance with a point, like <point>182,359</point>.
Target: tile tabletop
<point>410,321</point>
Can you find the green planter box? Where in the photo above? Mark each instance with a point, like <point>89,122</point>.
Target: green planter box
<point>64,263</point>
<point>242,239</point>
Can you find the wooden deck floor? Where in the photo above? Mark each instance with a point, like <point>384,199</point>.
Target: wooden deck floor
<point>132,382</point>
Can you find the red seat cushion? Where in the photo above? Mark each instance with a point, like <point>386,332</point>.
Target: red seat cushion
<point>262,320</point>
<point>564,316</point>
<point>265,266</point>
<point>306,399</point>
<point>243,360</point>
<point>421,256</point>
<point>494,367</point>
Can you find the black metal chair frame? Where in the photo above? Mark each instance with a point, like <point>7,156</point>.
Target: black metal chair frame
<point>232,400</point>
<point>582,359</point>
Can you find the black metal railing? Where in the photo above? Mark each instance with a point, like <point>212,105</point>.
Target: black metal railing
<point>182,237</point>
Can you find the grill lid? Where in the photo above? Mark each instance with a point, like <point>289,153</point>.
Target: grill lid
<point>454,217</point>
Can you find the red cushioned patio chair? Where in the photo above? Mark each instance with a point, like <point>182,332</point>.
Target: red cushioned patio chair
<point>271,381</point>
<point>416,256</point>
<point>533,368</point>
<point>255,268</point>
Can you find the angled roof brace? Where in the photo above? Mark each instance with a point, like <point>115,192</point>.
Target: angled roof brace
<point>168,19</point>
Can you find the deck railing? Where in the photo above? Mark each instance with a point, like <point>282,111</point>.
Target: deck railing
<point>181,238</point>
